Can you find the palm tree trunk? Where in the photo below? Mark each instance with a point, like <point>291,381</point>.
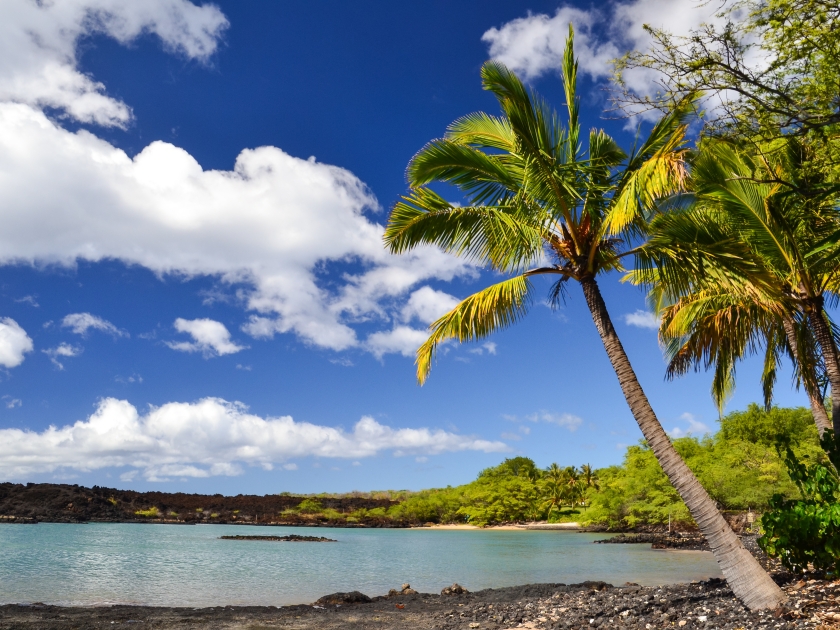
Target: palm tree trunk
<point>808,380</point>
<point>748,581</point>
<point>822,332</point>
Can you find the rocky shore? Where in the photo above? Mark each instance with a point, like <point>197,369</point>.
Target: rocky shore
<point>708,605</point>
<point>65,503</point>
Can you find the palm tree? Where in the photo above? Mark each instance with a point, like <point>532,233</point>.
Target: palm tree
<point>750,263</point>
<point>554,494</point>
<point>533,193</point>
<point>588,479</point>
<point>573,483</point>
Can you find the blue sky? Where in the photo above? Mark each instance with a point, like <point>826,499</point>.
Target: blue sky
<point>194,293</point>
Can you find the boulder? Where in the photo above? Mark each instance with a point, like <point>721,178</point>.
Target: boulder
<point>337,599</point>
<point>455,589</point>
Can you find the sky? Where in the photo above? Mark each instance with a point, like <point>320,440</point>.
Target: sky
<point>194,294</point>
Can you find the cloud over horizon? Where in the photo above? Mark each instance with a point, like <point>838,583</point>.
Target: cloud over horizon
<point>207,438</point>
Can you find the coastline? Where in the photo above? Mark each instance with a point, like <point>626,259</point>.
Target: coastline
<point>573,527</point>
<point>707,604</point>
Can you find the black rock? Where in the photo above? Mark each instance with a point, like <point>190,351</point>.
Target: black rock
<point>337,599</point>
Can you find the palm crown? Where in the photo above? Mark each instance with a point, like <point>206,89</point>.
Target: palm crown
<point>748,264</point>
<point>534,196</point>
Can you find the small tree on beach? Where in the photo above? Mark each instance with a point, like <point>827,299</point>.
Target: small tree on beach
<point>534,193</point>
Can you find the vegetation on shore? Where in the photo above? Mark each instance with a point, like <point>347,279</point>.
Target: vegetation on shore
<point>739,465</point>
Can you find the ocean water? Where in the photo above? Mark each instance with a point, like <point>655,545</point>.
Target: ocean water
<point>187,565</point>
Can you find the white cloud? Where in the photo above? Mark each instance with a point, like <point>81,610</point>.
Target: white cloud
<point>210,337</point>
<point>642,319</point>
<point>427,305</point>
<point>62,350</point>
<point>489,347</point>
<point>38,48</point>
<point>695,427</point>
<point>14,343</point>
<point>29,299</point>
<point>402,339</point>
<point>80,323</point>
<point>10,402</point>
<point>206,438</point>
<point>269,225</point>
<point>566,420</point>
<point>533,45</point>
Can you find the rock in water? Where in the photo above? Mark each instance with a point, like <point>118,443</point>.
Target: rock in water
<point>336,599</point>
<point>289,538</point>
<point>455,589</point>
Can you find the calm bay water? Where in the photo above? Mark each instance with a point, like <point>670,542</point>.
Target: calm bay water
<point>178,565</point>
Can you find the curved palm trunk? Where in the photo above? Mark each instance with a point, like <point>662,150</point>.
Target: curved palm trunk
<point>817,407</point>
<point>748,581</point>
<point>824,337</point>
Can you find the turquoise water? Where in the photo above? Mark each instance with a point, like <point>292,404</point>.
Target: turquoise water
<point>180,565</point>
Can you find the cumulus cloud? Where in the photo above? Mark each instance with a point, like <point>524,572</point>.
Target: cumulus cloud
<point>14,343</point>
<point>427,305</point>
<point>642,319</point>
<point>38,48</point>
<point>533,45</point>
<point>80,323</point>
<point>210,337</point>
<point>62,350</point>
<point>270,225</point>
<point>207,438</point>
<point>694,427</point>
<point>402,339</point>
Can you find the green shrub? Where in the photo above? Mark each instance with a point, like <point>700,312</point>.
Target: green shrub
<point>152,512</point>
<point>806,530</point>
<point>310,506</point>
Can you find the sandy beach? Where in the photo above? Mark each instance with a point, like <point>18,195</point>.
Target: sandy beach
<point>523,526</point>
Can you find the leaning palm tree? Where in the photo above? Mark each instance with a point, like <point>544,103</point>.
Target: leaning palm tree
<point>534,195</point>
<point>750,263</point>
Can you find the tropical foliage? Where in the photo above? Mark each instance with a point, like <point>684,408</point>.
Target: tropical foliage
<point>739,466</point>
<point>804,532</point>
<point>535,195</point>
<point>749,264</point>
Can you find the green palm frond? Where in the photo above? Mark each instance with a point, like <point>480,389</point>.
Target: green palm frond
<point>657,170</point>
<point>483,130</point>
<point>503,237</point>
<point>485,178</point>
<point>481,314</point>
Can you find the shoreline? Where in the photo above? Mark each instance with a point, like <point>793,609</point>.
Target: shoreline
<point>534,526</point>
<point>688,606</point>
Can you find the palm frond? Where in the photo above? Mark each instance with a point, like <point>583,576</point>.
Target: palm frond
<point>481,314</point>
<point>503,237</point>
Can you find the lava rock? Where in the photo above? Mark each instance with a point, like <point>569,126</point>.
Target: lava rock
<point>337,599</point>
